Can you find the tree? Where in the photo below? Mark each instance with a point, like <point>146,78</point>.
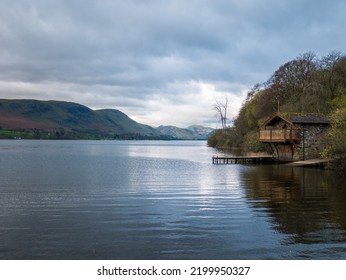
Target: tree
<point>253,91</point>
<point>336,135</point>
<point>291,80</point>
<point>221,111</point>
<point>328,65</point>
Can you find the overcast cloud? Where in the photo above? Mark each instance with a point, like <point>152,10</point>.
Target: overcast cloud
<point>160,62</point>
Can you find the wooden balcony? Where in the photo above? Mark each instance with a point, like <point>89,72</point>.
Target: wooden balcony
<point>279,135</point>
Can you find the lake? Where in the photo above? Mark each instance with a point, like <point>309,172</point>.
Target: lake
<point>162,200</point>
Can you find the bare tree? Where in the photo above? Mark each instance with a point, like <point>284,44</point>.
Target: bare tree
<point>292,79</point>
<point>328,69</point>
<point>221,111</point>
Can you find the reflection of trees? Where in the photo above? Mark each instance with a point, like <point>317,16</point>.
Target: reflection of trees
<point>309,204</point>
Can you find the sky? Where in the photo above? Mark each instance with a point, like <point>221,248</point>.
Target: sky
<point>160,62</point>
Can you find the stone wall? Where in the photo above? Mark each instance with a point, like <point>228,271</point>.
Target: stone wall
<point>310,145</point>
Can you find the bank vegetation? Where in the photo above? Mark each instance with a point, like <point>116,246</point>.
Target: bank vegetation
<point>306,84</point>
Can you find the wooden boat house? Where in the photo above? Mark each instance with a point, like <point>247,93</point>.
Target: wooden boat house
<point>294,136</point>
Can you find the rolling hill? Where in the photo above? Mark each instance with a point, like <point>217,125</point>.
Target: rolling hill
<point>67,120</point>
<point>27,118</point>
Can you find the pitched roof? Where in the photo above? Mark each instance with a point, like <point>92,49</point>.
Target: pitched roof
<point>298,119</point>
<point>309,118</point>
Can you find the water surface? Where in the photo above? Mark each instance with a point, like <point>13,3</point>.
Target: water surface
<point>162,200</point>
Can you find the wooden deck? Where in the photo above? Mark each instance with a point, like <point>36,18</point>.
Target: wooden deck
<point>279,135</point>
<point>309,162</point>
<point>241,159</point>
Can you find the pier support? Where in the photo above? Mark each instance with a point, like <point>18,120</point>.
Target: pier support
<point>241,159</point>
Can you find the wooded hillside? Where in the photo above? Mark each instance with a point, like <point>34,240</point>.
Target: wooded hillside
<point>307,84</point>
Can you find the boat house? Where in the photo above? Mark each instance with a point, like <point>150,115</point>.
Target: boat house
<point>294,136</point>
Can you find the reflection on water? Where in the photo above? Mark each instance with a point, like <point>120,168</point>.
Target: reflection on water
<point>307,205</point>
<point>162,200</point>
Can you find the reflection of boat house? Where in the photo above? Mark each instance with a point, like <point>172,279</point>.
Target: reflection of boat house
<point>294,136</point>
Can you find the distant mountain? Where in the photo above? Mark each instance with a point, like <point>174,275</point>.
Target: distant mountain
<point>27,118</point>
<point>194,132</point>
<point>67,120</point>
<point>201,131</point>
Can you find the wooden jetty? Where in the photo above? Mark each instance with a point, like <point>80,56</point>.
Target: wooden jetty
<point>309,162</point>
<point>241,159</point>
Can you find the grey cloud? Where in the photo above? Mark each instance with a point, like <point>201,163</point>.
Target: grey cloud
<point>121,51</point>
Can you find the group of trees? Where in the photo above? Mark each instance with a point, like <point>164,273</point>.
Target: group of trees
<point>307,84</point>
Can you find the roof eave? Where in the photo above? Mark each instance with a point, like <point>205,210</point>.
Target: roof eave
<point>277,115</point>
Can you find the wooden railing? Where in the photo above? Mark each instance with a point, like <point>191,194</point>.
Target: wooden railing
<point>279,135</point>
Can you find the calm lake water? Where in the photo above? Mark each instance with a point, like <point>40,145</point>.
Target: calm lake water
<point>162,200</point>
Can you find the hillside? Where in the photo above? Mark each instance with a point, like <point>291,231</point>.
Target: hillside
<point>123,124</point>
<point>67,120</point>
<point>29,119</point>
